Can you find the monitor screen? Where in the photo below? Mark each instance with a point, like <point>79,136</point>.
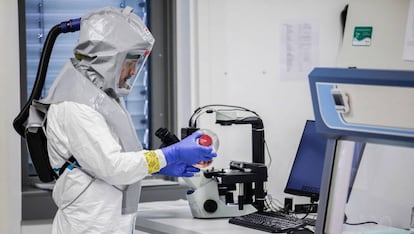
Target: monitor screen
<point>306,173</point>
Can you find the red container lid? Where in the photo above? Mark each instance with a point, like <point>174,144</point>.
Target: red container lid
<point>205,140</point>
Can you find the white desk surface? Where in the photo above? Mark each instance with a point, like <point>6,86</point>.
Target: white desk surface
<point>175,217</point>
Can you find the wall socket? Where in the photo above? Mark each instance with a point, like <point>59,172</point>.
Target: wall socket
<point>306,208</point>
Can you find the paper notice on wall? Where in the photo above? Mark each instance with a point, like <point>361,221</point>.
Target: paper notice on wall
<point>408,53</point>
<point>299,50</point>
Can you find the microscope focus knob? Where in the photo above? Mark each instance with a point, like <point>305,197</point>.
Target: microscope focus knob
<point>210,206</point>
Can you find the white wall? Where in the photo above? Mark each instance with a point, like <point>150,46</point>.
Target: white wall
<point>10,196</point>
<point>235,59</point>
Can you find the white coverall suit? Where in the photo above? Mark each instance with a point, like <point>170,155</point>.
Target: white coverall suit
<point>87,200</point>
<point>79,130</point>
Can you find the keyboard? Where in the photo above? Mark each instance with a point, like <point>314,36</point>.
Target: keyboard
<point>269,222</point>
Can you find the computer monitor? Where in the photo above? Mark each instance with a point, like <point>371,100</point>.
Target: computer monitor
<point>306,172</point>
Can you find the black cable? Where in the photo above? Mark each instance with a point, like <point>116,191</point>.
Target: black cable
<point>222,105</point>
<point>362,223</point>
<point>199,109</point>
<point>268,153</point>
<point>194,124</point>
<point>209,111</point>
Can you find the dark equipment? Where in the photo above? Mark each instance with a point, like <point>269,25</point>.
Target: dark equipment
<point>35,137</point>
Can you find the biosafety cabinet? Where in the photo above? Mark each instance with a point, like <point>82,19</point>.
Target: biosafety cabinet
<point>354,105</point>
<point>366,108</point>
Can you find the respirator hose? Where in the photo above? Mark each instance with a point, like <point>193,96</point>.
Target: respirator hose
<point>67,26</point>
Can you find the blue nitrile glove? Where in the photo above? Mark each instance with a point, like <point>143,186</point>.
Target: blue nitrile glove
<point>188,151</point>
<point>178,169</point>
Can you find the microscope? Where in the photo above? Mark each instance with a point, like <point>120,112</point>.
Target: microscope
<point>211,192</point>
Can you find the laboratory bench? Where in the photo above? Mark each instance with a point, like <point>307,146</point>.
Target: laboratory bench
<point>174,217</point>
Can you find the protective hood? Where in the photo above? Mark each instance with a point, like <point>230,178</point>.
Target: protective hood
<point>108,37</point>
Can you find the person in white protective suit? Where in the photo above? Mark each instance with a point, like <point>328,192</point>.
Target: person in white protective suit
<point>90,132</point>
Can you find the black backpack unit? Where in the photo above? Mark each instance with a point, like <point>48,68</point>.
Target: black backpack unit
<point>31,121</point>
<point>37,146</point>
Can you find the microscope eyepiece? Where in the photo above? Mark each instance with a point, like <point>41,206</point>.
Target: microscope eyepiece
<point>167,138</point>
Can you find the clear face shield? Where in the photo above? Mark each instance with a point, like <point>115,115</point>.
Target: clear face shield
<point>131,68</point>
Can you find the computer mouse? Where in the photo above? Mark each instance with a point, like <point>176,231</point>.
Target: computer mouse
<point>300,231</point>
